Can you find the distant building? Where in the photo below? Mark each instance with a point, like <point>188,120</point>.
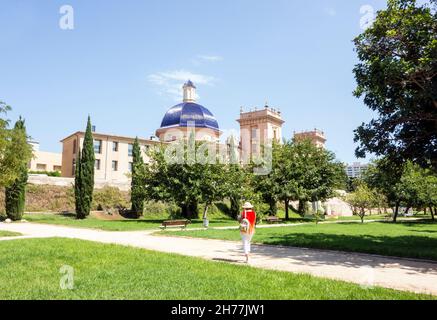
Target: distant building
<point>113,155</point>
<point>44,161</point>
<point>315,136</point>
<point>356,169</point>
<point>258,128</point>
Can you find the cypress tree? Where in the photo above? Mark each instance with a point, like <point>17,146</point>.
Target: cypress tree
<point>85,185</point>
<point>137,195</point>
<point>15,194</point>
<point>77,186</point>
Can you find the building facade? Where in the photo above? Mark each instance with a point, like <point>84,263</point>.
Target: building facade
<point>44,161</point>
<point>258,128</point>
<point>113,155</point>
<point>356,169</point>
<point>317,137</point>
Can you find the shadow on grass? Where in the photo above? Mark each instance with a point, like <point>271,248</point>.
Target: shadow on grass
<point>401,246</point>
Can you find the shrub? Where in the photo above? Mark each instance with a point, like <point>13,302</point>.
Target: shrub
<point>47,173</point>
<point>110,198</point>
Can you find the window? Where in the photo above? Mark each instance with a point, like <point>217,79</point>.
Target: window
<point>74,146</point>
<point>130,149</point>
<point>41,167</point>
<point>73,170</point>
<point>114,165</point>
<point>131,165</point>
<point>57,168</point>
<point>97,164</point>
<point>98,146</point>
<point>115,146</point>
<point>254,133</point>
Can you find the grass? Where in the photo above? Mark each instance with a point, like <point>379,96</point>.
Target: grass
<point>115,225</point>
<point>9,234</point>
<point>104,271</point>
<point>413,239</point>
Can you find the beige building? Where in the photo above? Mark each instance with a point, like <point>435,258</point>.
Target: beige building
<point>44,161</point>
<point>315,136</point>
<point>258,128</point>
<point>113,155</point>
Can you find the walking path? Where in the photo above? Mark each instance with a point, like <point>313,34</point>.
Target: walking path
<point>367,270</point>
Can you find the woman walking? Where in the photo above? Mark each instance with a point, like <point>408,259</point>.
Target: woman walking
<point>247,221</point>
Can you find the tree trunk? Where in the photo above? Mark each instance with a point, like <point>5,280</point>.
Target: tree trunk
<point>205,211</point>
<point>432,213</point>
<point>363,213</point>
<point>235,207</point>
<point>287,216</point>
<point>395,217</point>
<point>189,211</point>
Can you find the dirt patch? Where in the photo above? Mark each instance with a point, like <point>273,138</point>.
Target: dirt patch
<point>101,215</point>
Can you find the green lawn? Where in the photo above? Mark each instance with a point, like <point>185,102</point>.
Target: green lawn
<point>120,225</point>
<point>404,239</point>
<point>114,272</point>
<point>8,234</point>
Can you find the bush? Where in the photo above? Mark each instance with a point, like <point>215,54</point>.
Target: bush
<point>110,198</point>
<point>160,210</point>
<point>47,173</point>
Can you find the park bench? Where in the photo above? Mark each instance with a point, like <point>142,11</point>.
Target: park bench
<point>175,224</point>
<point>272,220</point>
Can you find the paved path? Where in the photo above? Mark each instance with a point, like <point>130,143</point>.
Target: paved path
<point>396,273</point>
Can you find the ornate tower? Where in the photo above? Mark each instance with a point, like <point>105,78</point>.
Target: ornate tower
<point>189,92</point>
<point>258,128</point>
<point>317,137</point>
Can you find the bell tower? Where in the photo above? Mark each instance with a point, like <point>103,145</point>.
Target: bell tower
<point>189,91</point>
<point>258,127</point>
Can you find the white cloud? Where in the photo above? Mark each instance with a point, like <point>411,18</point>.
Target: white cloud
<point>170,83</point>
<point>210,58</point>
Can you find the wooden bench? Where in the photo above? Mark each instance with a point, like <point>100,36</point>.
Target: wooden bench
<point>272,220</point>
<point>175,224</point>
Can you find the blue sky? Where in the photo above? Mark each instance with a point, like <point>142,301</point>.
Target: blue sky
<point>124,61</point>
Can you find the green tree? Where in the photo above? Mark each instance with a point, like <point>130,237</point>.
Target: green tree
<point>78,183</point>
<point>13,155</point>
<point>15,194</point>
<point>397,76</point>
<point>137,192</point>
<point>85,182</point>
<point>362,199</point>
<point>385,176</point>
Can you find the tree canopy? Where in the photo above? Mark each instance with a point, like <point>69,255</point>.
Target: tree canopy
<point>15,152</point>
<point>397,77</point>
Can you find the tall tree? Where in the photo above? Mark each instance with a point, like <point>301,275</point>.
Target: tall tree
<point>15,194</point>
<point>137,192</point>
<point>78,183</point>
<point>397,76</point>
<point>86,172</point>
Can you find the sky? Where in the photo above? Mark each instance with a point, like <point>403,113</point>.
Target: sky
<point>124,62</point>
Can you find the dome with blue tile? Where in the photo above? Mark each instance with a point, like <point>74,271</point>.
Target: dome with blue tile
<point>189,111</point>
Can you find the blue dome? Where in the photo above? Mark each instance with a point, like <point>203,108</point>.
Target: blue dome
<point>181,114</point>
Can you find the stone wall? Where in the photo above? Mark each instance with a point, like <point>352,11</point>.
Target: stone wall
<point>40,179</point>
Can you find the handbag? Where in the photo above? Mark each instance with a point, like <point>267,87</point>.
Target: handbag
<point>244,224</point>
